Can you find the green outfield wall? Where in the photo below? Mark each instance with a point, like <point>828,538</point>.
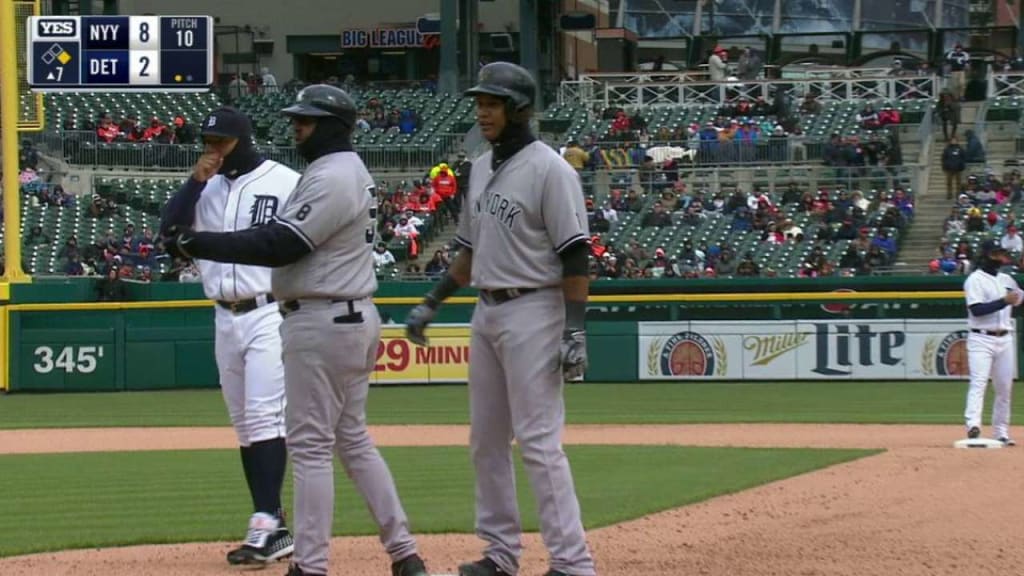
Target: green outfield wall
<point>58,339</point>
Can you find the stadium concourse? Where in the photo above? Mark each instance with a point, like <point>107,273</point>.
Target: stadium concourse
<point>785,179</point>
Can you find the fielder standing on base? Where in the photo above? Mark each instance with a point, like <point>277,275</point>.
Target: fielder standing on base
<point>991,354</point>
<point>321,246</point>
<point>233,188</point>
<point>524,244</point>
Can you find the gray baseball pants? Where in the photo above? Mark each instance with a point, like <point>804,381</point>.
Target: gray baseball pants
<point>515,390</point>
<point>327,366</point>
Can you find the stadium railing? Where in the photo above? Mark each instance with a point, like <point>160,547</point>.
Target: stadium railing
<point>1005,84</point>
<point>601,91</point>
<point>84,148</point>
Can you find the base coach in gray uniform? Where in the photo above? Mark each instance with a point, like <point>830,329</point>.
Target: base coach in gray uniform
<point>523,243</point>
<point>320,246</point>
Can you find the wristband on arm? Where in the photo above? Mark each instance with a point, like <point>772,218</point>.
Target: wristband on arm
<point>441,292</point>
<point>575,314</point>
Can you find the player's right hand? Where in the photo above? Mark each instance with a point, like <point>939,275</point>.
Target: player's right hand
<point>207,165</point>
<point>416,324</point>
<point>177,240</point>
<point>1012,297</point>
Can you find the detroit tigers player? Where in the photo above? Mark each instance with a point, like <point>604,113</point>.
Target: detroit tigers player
<point>233,188</point>
<point>523,243</point>
<point>990,349</point>
<point>321,248</point>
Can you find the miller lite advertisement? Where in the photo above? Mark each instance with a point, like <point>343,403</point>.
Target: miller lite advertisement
<point>917,349</point>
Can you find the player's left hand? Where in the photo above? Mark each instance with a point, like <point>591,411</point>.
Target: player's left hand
<point>416,324</point>
<point>574,354</point>
<point>177,240</point>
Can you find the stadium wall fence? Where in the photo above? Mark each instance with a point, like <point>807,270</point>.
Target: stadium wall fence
<point>55,338</point>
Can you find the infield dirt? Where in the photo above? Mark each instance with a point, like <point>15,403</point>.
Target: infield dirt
<point>921,508</point>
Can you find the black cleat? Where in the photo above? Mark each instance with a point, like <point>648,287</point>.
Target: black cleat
<point>267,541</point>
<point>484,567</point>
<point>409,566</point>
<point>973,432</point>
<point>294,570</point>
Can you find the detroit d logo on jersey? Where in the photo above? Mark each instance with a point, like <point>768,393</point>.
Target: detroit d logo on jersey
<point>263,210</point>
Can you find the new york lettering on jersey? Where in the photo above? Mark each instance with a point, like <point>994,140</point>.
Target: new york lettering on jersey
<point>522,216</point>
<point>225,205</point>
<point>334,210</point>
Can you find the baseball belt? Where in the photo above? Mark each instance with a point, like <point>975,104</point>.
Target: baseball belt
<point>246,306</point>
<point>495,297</point>
<point>353,317</point>
<point>990,332</point>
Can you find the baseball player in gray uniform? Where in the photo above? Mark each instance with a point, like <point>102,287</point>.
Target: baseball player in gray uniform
<point>321,248</point>
<point>524,245</point>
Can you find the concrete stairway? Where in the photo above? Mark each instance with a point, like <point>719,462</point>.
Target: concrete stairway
<point>931,207</point>
<point>921,242</point>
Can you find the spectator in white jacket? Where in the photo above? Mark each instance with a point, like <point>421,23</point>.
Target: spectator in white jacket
<point>716,64</point>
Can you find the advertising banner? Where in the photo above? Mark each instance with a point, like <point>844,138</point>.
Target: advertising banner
<point>445,359</point>
<point>913,349</point>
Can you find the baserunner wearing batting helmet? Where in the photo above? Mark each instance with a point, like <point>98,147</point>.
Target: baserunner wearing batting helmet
<point>523,243</point>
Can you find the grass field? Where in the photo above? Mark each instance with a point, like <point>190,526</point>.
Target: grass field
<point>814,402</point>
<point>62,501</point>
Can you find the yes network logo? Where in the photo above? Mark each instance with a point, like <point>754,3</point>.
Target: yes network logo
<point>56,28</point>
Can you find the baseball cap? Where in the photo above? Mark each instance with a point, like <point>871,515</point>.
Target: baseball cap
<point>989,246</point>
<point>227,122</point>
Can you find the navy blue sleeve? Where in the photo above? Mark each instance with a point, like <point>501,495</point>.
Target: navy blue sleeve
<point>986,308</point>
<point>271,245</point>
<point>180,210</point>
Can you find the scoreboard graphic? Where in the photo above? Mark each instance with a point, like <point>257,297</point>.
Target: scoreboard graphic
<point>120,53</point>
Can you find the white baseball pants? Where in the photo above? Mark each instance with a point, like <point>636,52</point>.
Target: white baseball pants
<point>248,350</point>
<point>990,357</point>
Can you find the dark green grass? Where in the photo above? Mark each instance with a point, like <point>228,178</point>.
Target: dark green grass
<point>817,402</point>
<point>62,501</point>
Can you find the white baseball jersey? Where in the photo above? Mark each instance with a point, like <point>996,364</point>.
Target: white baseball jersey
<point>982,287</point>
<point>520,217</point>
<point>334,210</point>
<point>226,205</point>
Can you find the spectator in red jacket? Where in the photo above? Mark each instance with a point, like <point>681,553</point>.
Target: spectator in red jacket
<point>445,185</point>
<point>413,203</point>
<point>107,131</point>
<point>155,130</point>
<point>621,122</point>
<point>889,115</point>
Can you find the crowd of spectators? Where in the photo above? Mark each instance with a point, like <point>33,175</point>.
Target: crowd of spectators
<point>829,216</point>
<point>128,129</point>
<point>980,211</point>
<point>743,130</point>
<point>375,116</point>
<point>403,205</point>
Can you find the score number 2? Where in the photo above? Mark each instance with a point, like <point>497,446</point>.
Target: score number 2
<point>84,362</point>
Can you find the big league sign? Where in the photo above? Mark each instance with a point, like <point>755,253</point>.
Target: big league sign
<point>803,350</point>
<point>389,38</point>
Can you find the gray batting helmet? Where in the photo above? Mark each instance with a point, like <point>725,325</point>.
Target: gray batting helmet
<point>506,80</point>
<point>321,101</point>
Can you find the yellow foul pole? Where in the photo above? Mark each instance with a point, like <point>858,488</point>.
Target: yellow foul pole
<point>9,138</point>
